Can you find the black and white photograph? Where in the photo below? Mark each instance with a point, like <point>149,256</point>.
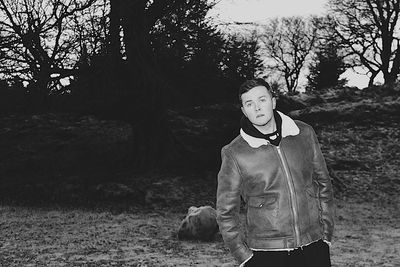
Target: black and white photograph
<point>209,133</point>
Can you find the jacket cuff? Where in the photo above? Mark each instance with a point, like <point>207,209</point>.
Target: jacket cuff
<point>328,242</point>
<point>327,236</point>
<point>243,263</point>
<point>242,254</point>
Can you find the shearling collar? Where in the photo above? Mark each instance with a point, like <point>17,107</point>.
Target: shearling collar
<point>289,127</point>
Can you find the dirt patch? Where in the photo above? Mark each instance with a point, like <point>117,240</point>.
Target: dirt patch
<point>42,237</point>
<point>367,234</point>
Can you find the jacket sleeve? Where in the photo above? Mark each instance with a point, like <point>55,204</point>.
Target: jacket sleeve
<point>228,206</point>
<point>325,190</point>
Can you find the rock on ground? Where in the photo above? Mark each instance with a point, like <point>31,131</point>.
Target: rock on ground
<point>199,224</point>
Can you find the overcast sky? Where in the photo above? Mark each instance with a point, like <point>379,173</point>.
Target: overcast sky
<point>261,10</point>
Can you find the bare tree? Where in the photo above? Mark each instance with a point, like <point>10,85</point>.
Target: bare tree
<point>369,28</point>
<point>287,42</point>
<point>41,40</point>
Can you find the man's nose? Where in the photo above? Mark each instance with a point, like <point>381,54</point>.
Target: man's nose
<point>257,106</point>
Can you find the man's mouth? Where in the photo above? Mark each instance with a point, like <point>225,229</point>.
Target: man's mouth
<point>260,115</point>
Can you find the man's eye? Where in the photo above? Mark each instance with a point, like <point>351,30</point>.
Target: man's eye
<point>263,100</point>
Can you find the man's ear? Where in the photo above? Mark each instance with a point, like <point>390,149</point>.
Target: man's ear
<point>273,102</point>
<point>242,109</point>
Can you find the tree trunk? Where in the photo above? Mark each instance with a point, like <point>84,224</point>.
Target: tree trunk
<point>288,85</point>
<point>372,78</point>
<point>390,79</point>
<point>152,141</point>
<point>114,43</point>
<point>38,92</point>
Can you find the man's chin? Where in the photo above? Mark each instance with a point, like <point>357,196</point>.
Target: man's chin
<point>261,123</point>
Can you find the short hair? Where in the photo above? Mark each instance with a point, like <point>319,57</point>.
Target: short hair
<point>250,84</point>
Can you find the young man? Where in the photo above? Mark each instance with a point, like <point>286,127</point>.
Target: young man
<point>276,166</point>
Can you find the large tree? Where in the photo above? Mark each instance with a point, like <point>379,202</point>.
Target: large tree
<point>141,98</point>
<point>369,28</point>
<point>287,42</point>
<point>165,42</point>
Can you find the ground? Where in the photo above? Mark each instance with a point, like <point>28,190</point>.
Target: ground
<point>54,213</point>
<point>367,234</point>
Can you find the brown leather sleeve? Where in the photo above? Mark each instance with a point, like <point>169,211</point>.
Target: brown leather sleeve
<point>325,190</point>
<point>228,206</point>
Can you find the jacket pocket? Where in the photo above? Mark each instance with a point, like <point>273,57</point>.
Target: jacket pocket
<point>313,205</point>
<point>262,214</point>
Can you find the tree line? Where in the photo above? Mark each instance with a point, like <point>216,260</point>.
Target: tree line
<point>44,42</point>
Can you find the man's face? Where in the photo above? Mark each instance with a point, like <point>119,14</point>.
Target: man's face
<point>258,105</point>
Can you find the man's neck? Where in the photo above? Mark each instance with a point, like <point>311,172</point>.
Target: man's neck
<point>267,128</point>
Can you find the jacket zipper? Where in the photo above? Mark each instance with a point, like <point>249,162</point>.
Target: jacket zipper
<point>291,196</point>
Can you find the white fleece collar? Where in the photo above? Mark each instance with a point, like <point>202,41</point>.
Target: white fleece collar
<point>289,127</point>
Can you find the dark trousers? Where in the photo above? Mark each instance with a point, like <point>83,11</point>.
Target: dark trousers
<point>314,255</point>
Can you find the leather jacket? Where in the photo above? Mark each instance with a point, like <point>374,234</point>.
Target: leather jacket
<point>286,189</point>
